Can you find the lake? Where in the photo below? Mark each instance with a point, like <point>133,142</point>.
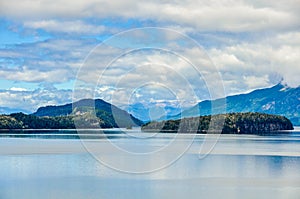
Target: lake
<point>129,164</point>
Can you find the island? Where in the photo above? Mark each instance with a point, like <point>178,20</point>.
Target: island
<point>231,123</point>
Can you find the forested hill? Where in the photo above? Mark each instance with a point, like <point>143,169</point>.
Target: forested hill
<point>64,110</point>
<point>85,113</point>
<point>232,123</point>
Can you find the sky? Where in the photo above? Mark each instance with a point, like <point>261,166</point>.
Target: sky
<point>167,53</point>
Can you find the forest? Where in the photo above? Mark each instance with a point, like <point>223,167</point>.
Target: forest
<point>231,123</point>
<point>101,119</point>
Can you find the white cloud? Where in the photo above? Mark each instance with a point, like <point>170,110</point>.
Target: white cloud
<point>31,100</point>
<point>243,66</point>
<point>69,27</point>
<point>17,89</point>
<point>33,75</point>
<point>57,61</point>
<point>254,65</point>
<point>256,81</point>
<point>265,45</point>
<point>143,67</point>
<point>224,15</point>
<point>54,60</point>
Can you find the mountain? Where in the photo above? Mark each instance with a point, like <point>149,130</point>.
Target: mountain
<point>110,115</point>
<point>279,100</point>
<point>7,110</point>
<point>86,113</point>
<point>63,110</point>
<point>152,111</point>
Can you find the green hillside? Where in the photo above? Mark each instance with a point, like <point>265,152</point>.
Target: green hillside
<point>81,114</point>
<point>233,123</point>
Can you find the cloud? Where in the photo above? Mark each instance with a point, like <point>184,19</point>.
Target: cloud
<point>33,75</point>
<point>253,44</point>
<point>67,27</point>
<point>142,68</point>
<point>242,65</point>
<point>256,82</point>
<point>225,15</point>
<point>17,89</point>
<point>53,60</point>
<point>260,64</point>
<point>29,101</point>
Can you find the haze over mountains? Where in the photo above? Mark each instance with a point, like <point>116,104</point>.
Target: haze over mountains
<point>152,111</point>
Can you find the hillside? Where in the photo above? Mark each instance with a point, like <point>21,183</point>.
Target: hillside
<point>233,123</point>
<point>278,100</point>
<point>8,122</point>
<point>84,115</point>
<point>63,110</point>
<point>113,115</point>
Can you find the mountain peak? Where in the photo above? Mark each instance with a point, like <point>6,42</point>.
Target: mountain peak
<point>103,110</point>
<point>279,99</point>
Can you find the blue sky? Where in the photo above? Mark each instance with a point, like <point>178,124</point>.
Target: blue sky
<point>43,46</point>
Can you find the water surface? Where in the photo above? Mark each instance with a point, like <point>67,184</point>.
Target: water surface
<point>48,166</point>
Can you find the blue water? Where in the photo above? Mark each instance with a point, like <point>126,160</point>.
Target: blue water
<point>237,167</point>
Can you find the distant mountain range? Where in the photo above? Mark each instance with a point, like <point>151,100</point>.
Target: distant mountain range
<point>7,110</point>
<point>279,100</point>
<point>152,111</point>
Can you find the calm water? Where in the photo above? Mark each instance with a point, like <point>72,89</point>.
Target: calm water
<point>32,167</point>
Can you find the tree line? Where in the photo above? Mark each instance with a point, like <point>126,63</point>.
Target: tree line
<point>99,119</point>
